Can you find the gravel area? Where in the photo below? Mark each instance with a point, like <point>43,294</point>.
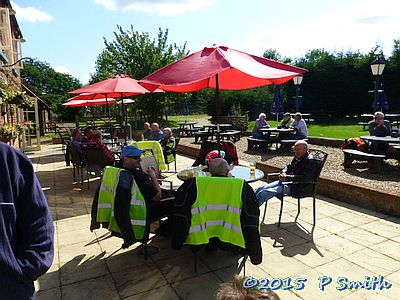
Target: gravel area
<point>387,180</point>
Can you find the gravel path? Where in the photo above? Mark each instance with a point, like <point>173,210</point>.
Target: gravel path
<point>387,180</point>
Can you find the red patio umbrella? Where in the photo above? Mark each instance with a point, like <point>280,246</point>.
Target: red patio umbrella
<point>79,103</point>
<point>221,68</point>
<point>117,86</point>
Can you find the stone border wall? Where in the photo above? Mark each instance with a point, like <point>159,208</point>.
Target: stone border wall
<point>379,201</point>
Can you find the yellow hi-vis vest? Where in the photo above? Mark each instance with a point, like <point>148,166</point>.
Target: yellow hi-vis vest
<point>168,155</point>
<point>216,212</point>
<point>157,150</point>
<point>105,208</point>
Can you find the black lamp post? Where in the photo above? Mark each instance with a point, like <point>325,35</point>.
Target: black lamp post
<point>377,67</point>
<point>297,82</point>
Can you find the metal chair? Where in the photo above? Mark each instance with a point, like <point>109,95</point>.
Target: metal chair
<point>320,157</point>
<point>75,159</point>
<point>95,161</point>
<point>173,151</point>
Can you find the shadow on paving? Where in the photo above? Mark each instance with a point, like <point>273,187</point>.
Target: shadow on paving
<point>289,235</point>
<point>66,198</point>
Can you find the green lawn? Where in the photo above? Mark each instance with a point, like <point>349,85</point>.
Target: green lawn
<point>340,129</point>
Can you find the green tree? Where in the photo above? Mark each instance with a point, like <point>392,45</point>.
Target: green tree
<point>136,54</point>
<point>51,86</point>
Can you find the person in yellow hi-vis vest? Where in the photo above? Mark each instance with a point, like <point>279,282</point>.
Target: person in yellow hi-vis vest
<point>225,216</point>
<point>123,187</point>
<point>168,145</point>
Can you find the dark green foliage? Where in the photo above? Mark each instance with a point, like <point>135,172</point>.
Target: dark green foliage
<point>51,86</point>
<point>136,54</point>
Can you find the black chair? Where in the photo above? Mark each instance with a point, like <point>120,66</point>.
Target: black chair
<point>320,157</point>
<point>95,161</point>
<point>195,248</point>
<point>64,137</point>
<point>74,158</point>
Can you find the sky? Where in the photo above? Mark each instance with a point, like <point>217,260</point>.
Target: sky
<point>69,34</point>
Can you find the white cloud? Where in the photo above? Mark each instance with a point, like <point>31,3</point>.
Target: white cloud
<point>62,69</point>
<point>162,7</point>
<point>359,27</point>
<point>30,14</point>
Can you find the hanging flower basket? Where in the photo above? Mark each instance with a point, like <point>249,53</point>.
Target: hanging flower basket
<point>7,133</point>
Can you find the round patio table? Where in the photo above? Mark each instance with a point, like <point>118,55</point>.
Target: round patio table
<point>242,172</point>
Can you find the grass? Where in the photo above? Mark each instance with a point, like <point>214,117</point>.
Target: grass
<point>338,129</point>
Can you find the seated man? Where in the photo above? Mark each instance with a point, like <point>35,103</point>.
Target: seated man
<point>300,126</point>
<point>96,139</point>
<point>147,131</point>
<point>379,126</point>
<point>261,122</point>
<point>149,190</point>
<point>76,142</point>
<point>168,145</point>
<point>286,121</point>
<point>302,168</point>
<point>156,134</point>
<point>187,197</point>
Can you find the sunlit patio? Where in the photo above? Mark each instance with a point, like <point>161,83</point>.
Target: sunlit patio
<point>346,242</point>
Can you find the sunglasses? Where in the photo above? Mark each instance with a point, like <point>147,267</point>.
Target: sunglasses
<point>133,157</point>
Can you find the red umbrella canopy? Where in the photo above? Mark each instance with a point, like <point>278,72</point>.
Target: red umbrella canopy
<point>79,103</point>
<point>236,70</point>
<point>116,86</point>
<point>88,96</point>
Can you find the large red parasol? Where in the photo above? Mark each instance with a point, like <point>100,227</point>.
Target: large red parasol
<point>221,68</point>
<point>79,103</point>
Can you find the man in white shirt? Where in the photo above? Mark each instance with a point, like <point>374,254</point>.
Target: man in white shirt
<point>300,126</point>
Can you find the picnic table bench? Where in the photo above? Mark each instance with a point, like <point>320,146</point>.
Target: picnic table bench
<point>363,124</point>
<point>191,131</point>
<point>203,135</point>
<point>375,160</point>
<point>253,142</point>
<point>233,135</point>
<point>286,144</point>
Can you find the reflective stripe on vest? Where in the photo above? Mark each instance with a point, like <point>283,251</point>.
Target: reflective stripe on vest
<point>157,151</point>
<point>107,192</point>
<point>216,211</point>
<point>105,209</point>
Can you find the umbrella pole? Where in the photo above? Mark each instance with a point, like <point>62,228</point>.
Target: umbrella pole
<point>123,118</point>
<point>217,99</point>
<point>109,118</point>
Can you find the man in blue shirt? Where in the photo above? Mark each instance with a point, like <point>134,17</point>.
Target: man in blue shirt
<point>156,134</point>
<point>26,227</point>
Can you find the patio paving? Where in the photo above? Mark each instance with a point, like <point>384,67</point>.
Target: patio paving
<point>346,242</point>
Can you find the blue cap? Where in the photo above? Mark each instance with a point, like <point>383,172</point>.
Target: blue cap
<point>131,151</point>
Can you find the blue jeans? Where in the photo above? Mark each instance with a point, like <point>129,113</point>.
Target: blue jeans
<point>273,189</point>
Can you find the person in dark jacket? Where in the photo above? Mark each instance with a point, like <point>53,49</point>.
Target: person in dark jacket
<point>302,168</point>
<point>249,217</point>
<point>26,227</point>
<point>379,126</point>
<point>149,187</point>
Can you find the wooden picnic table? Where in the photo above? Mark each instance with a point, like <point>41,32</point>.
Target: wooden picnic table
<point>282,133</point>
<point>186,127</point>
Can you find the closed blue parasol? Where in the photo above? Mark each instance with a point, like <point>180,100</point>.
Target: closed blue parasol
<point>382,102</point>
<point>277,105</point>
<point>186,107</point>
